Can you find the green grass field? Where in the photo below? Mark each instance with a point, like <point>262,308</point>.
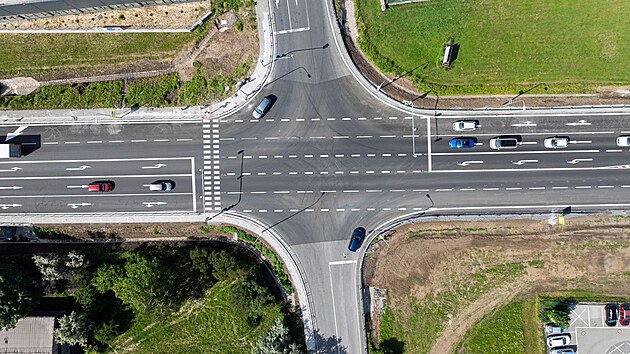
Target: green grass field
<point>513,328</point>
<point>25,54</point>
<point>209,325</point>
<point>505,45</point>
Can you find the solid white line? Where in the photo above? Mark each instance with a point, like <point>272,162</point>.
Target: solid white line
<point>341,262</point>
<point>90,177</point>
<point>194,184</point>
<point>90,195</point>
<point>514,152</point>
<point>530,169</point>
<point>429,155</point>
<point>99,160</point>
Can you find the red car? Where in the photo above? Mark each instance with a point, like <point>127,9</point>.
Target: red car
<point>624,314</point>
<point>101,186</point>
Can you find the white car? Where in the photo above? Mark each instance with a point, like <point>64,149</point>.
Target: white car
<point>557,142</point>
<point>623,141</point>
<point>558,341</point>
<point>465,125</point>
<point>162,186</point>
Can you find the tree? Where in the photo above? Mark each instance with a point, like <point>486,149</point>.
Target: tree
<point>18,294</point>
<point>556,312</point>
<point>221,265</point>
<point>55,267</point>
<point>277,341</point>
<point>249,297</point>
<point>147,285</point>
<point>73,329</point>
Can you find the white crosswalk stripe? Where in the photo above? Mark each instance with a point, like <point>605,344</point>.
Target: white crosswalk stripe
<point>211,168</point>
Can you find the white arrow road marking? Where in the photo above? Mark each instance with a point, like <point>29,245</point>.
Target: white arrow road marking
<point>76,205</point>
<point>521,162</point>
<point>80,168</point>
<point>81,186</point>
<point>17,132</point>
<point>157,165</point>
<point>7,206</point>
<point>152,204</point>
<point>574,161</point>
<point>466,163</point>
<point>579,122</point>
<point>525,124</point>
<point>12,187</point>
<point>12,169</point>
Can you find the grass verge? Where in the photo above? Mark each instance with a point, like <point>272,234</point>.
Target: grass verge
<point>207,325</point>
<point>505,46</point>
<point>266,252</point>
<point>419,324</point>
<point>499,332</point>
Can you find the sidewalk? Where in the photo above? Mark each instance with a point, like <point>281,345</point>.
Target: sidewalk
<point>263,69</point>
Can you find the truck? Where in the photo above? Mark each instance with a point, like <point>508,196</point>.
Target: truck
<point>10,150</point>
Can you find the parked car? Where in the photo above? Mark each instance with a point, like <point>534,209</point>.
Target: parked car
<point>500,142</point>
<point>562,351</point>
<point>623,141</point>
<point>624,315</point>
<point>101,186</point>
<point>557,142</point>
<point>465,143</point>
<point>558,341</point>
<point>357,238</point>
<point>612,314</point>
<point>551,329</point>
<point>465,125</point>
<point>262,108</point>
<point>162,186</point>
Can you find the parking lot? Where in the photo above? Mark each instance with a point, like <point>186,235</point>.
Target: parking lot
<point>590,335</point>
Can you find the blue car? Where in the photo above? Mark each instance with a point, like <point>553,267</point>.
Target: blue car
<point>461,143</point>
<point>357,239</point>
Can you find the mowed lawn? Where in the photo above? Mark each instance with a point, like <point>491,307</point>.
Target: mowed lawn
<point>23,54</point>
<point>505,45</point>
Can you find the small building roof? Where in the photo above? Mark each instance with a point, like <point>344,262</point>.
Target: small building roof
<point>31,335</point>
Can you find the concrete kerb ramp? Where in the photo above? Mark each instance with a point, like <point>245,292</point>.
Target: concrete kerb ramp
<point>288,258</point>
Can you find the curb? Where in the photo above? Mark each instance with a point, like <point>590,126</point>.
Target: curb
<point>258,79</point>
<point>290,261</point>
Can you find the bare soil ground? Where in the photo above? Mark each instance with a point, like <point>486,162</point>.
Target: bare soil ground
<point>176,16</point>
<point>588,253</point>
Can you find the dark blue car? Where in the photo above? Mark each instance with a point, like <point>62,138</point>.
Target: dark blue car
<point>460,143</point>
<point>357,239</point>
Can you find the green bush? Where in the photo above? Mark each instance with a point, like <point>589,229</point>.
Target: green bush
<point>156,91</point>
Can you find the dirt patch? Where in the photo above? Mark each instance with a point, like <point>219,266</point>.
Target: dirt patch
<point>176,16</point>
<point>424,259</point>
<point>130,231</point>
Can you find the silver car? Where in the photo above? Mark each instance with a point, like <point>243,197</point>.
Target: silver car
<point>162,186</point>
<point>262,108</point>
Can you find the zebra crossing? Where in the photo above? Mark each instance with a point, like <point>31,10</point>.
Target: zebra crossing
<point>211,171</point>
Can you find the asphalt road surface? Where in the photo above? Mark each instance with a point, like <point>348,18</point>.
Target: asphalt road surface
<point>60,161</point>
